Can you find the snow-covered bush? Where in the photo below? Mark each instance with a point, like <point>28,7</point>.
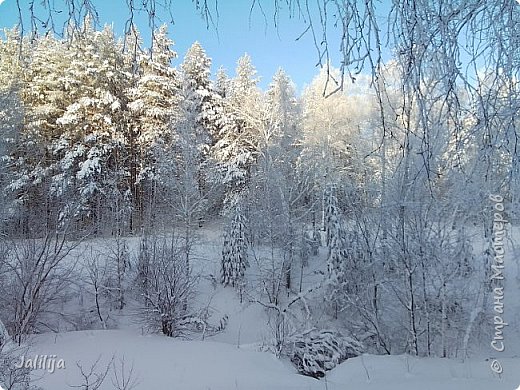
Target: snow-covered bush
<point>317,351</point>
<point>12,377</point>
<point>33,278</point>
<point>167,299</point>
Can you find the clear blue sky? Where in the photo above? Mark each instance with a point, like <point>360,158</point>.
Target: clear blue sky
<point>236,33</point>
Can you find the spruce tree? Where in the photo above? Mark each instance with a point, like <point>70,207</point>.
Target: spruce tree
<point>337,259</point>
<point>234,252</point>
<point>198,126</point>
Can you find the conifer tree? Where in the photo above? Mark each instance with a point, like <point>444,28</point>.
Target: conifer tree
<point>199,97</point>
<point>336,262</point>
<point>200,115</point>
<point>41,90</point>
<point>153,104</point>
<point>237,145</point>
<point>234,252</point>
<point>283,112</point>
<point>90,149</point>
<point>222,82</point>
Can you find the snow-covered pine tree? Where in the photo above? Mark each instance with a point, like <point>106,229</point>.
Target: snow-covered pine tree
<point>237,144</point>
<point>91,148</point>
<point>226,269</point>
<point>199,96</point>
<point>42,92</point>
<point>281,131</point>
<point>222,82</point>
<point>337,259</point>
<point>12,156</point>
<point>153,102</point>
<point>283,113</point>
<point>338,256</point>
<point>234,252</point>
<point>200,119</point>
<point>184,164</point>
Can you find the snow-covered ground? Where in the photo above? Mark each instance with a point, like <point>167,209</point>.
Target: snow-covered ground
<point>162,363</point>
<point>233,359</point>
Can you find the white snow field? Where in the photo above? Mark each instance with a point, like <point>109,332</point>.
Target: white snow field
<point>162,363</point>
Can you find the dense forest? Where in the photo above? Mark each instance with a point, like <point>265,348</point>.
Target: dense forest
<point>382,192</point>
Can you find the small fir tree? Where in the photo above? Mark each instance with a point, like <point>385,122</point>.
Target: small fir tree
<point>234,252</point>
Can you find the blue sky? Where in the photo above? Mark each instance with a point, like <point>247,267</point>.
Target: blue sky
<point>236,34</point>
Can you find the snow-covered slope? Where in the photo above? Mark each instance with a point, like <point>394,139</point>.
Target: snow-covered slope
<point>162,363</point>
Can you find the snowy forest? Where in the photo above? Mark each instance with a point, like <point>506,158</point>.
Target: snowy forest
<point>362,216</point>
